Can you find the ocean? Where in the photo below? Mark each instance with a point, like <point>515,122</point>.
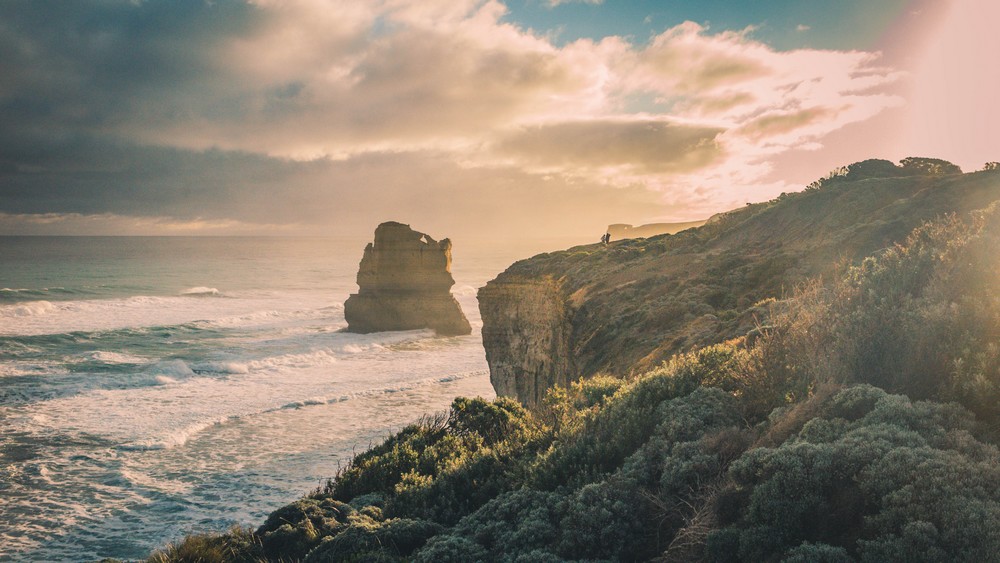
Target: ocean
<point>151,387</point>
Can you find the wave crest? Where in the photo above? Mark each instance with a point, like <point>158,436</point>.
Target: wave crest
<point>201,291</point>
<point>28,309</point>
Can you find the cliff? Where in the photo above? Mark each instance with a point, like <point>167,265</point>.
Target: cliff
<point>528,324</point>
<point>626,307</point>
<point>693,460</point>
<point>404,282</point>
<point>622,231</point>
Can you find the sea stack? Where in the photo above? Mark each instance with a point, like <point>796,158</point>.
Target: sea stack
<point>404,283</point>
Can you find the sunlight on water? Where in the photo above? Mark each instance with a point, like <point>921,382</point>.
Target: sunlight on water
<point>150,387</point>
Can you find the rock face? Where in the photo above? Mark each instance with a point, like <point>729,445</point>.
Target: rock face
<point>626,307</point>
<point>404,283</point>
<point>529,336</point>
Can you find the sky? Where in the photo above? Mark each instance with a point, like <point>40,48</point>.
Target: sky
<point>468,117</point>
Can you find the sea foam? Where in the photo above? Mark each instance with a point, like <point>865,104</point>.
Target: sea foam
<point>28,309</point>
<point>88,315</point>
<point>201,291</point>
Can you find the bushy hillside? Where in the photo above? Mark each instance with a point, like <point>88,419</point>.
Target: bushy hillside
<point>629,306</point>
<point>858,423</point>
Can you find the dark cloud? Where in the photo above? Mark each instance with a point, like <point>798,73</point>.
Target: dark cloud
<point>336,114</point>
<point>93,177</point>
<point>296,79</point>
<point>90,64</point>
<point>642,146</point>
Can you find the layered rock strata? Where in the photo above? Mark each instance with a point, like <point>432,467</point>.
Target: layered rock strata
<point>404,282</point>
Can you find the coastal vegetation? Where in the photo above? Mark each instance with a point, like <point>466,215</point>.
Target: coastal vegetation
<point>624,308</point>
<point>856,419</point>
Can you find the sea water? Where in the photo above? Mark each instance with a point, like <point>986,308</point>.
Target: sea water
<point>152,387</point>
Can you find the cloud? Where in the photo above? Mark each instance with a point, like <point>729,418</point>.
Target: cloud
<point>772,124</point>
<point>685,60</point>
<point>110,224</point>
<point>728,76</point>
<point>155,189</point>
<point>767,102</point>
<point>636,146</point>
<point>415,75</point>
<point>554,3</point>
<point>315,113</point>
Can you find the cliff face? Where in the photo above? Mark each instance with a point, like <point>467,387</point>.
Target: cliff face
<point>404,282</point>
<point>628,306</point>
<point>528,327</point>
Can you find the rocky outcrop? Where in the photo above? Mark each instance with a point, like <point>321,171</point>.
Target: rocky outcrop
<point>627,306</point>
<point>404,283</point>
<point>621,231</point>
<point>528,340</point>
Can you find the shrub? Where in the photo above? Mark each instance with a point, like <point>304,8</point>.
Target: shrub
<point>928,166</point>
<point>593,391</point>
<point>493,421</point>
<point>877,476</point>
<point>817,553</point>
<point>451,549</point>
<point>600,442</point>
<point>921,318</point>
<point>618,514</point>
<point>367,539</point>
<point>293,530</point>
<point>239,545</point>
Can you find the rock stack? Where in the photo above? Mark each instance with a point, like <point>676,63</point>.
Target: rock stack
<point>404,283</point>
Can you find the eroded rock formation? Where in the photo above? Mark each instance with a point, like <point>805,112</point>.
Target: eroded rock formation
<point>404,283</point>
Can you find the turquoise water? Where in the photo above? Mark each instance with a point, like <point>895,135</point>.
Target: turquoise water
<point>151,387</point>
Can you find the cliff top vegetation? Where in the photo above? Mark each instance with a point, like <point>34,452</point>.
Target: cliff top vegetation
<point>635,303</point>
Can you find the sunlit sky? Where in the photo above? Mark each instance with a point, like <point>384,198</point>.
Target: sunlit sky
<point>468,117</point>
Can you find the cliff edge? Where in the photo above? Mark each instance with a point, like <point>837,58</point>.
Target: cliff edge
<point>626,307</point>
<point>620,231</point>
<point>404,282</point>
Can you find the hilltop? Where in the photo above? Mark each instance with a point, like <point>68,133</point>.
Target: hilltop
<point>627,307</point>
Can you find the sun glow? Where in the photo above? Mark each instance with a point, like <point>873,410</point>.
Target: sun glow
<point>954,109</point>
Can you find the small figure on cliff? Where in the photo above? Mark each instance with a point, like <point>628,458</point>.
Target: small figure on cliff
<point>606,238</point>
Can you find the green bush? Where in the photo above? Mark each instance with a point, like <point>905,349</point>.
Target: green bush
<point>928,166</point>
<point>922,318</point>
<point>239,545</point>
<point>817,553</point>
<point>370,540</point>
<point>619,514</point>
<point>451,549</point>
<point>293,530</point>
<point>601,441</point>
<point>878,476</point>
